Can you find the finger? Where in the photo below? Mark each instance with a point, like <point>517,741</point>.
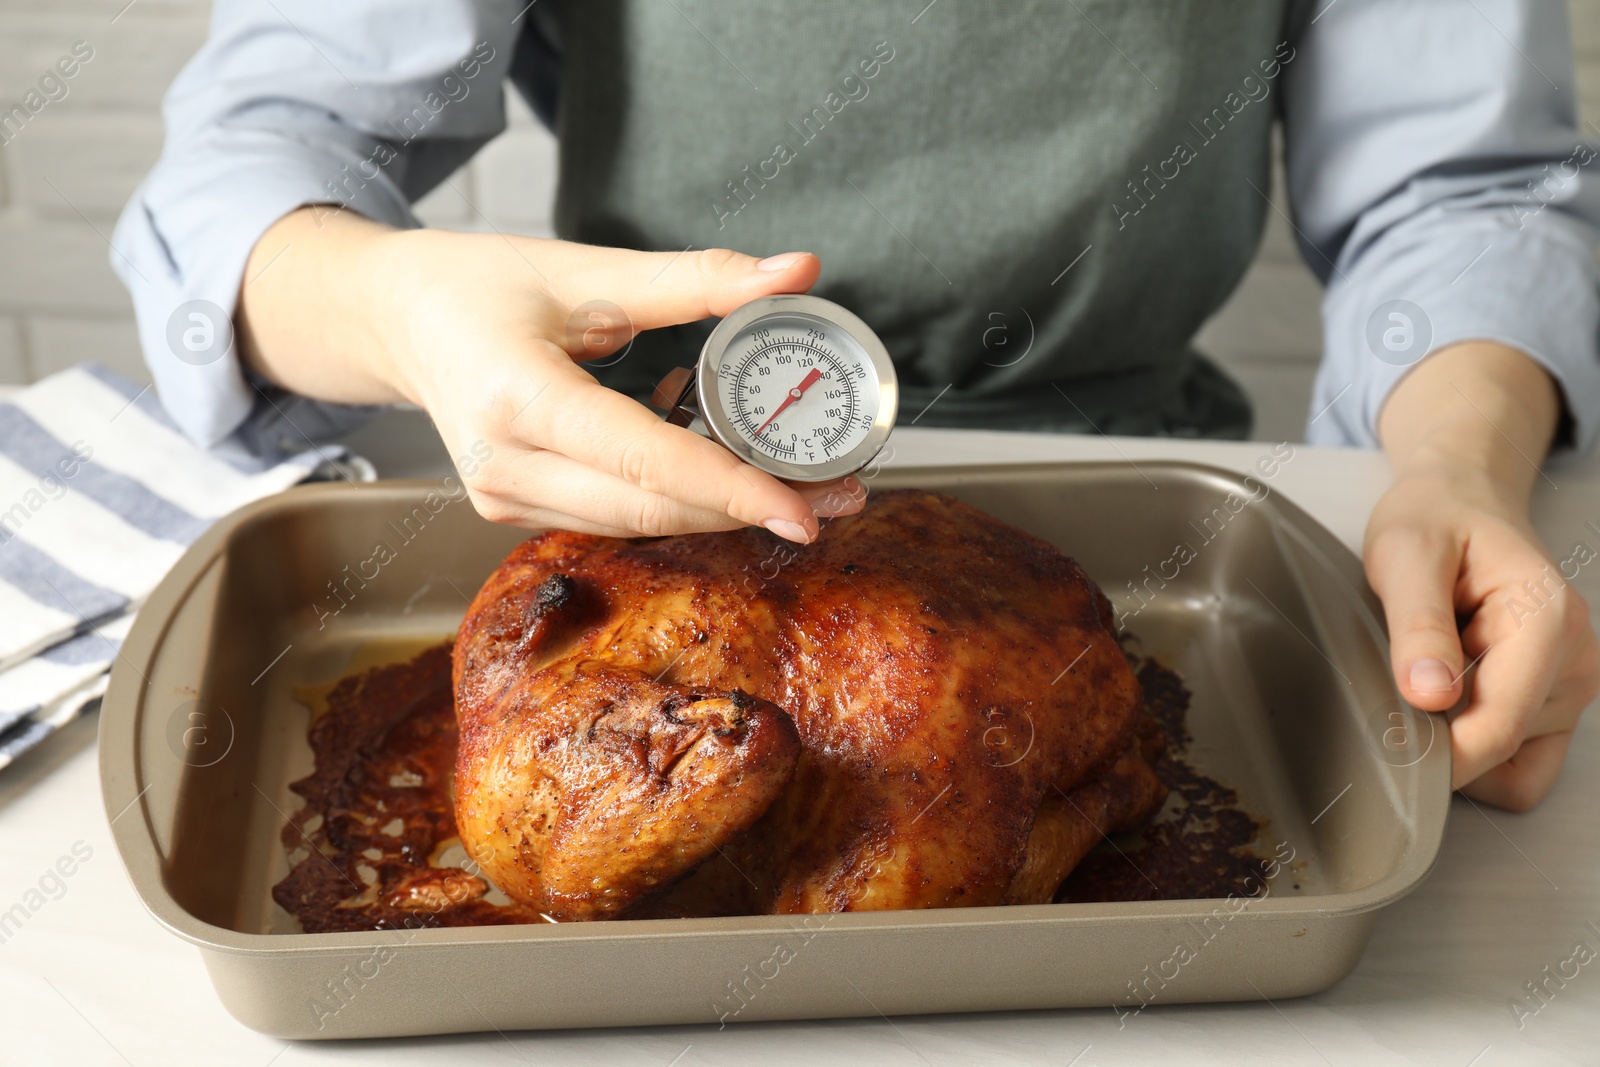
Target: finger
<point>1511,695</point>
<point>515,513</point>
<point>666,288</point>
<point>536,482</point>
<point>1522,781</point>
<point>604,429</point>
<point>1414,574</point>
<point>840,497</point>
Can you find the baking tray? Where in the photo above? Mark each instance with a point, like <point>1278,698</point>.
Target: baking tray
<point>1268,619</point>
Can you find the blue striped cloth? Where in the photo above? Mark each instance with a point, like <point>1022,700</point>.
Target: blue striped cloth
<point>99,495</point>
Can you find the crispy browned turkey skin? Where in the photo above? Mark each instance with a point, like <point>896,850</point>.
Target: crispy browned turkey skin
<point>924,708</point>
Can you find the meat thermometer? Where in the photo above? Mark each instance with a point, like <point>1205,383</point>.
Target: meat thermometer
<point>795,385</point>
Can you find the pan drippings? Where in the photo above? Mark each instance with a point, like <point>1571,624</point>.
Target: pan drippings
<point>1198,847</point>
<point>371,847</point>
<point>378,812</point>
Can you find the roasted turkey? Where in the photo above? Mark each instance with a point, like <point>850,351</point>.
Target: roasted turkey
<point>924,708</point>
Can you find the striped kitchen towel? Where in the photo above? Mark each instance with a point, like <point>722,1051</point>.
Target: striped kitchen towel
<point>99,495</point>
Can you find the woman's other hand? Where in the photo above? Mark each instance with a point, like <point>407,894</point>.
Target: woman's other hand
<point>1451,540</point>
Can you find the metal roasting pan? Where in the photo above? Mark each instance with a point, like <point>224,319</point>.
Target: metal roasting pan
<point>1268,619</point>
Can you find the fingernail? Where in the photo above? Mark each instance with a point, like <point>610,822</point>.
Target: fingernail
<point>789,531</point>
<point>1431,676</point>
<point>788,259</point>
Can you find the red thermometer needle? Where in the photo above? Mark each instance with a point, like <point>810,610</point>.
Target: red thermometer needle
<point>813,376</point>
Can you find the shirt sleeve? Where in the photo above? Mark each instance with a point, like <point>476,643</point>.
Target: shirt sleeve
<point>1442,190</point>
<point>362,105</point>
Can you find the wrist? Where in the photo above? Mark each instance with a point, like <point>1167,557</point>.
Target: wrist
<point>1469,454</point>
<point>312,313</point>
<point>1463,480</point>
<point>382,260</point>
<point>1478,415</point>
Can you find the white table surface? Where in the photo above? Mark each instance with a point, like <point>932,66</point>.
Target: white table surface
<point>92,979</point>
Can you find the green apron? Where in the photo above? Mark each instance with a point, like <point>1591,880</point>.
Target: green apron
<point>1035,203</point>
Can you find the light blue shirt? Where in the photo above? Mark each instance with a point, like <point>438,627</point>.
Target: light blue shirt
<point>1433,153</point>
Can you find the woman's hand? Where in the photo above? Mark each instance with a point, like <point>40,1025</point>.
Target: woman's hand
<point>1451,540</point>
<point>487,333</point>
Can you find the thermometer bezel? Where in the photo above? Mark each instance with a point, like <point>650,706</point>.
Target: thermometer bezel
<point>830,314</point>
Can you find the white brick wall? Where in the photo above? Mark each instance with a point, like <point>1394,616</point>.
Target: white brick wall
<point>64,178</point>
<point>67,172</point>
<point>13,367</point>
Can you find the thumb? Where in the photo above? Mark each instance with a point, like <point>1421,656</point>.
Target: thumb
<point>653,289</point>
<point>1415,577</point>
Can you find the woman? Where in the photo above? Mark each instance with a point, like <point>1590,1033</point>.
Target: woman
<point>1096,166</point>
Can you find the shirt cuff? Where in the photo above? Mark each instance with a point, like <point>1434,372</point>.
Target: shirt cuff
<point>1451,276</point>
<point>181,247</point>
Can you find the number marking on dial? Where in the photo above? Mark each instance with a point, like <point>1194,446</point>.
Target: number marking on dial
<point>794,397</point>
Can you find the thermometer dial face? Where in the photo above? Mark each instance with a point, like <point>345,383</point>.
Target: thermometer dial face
<point>798,386</point>
<point>797,390</point>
